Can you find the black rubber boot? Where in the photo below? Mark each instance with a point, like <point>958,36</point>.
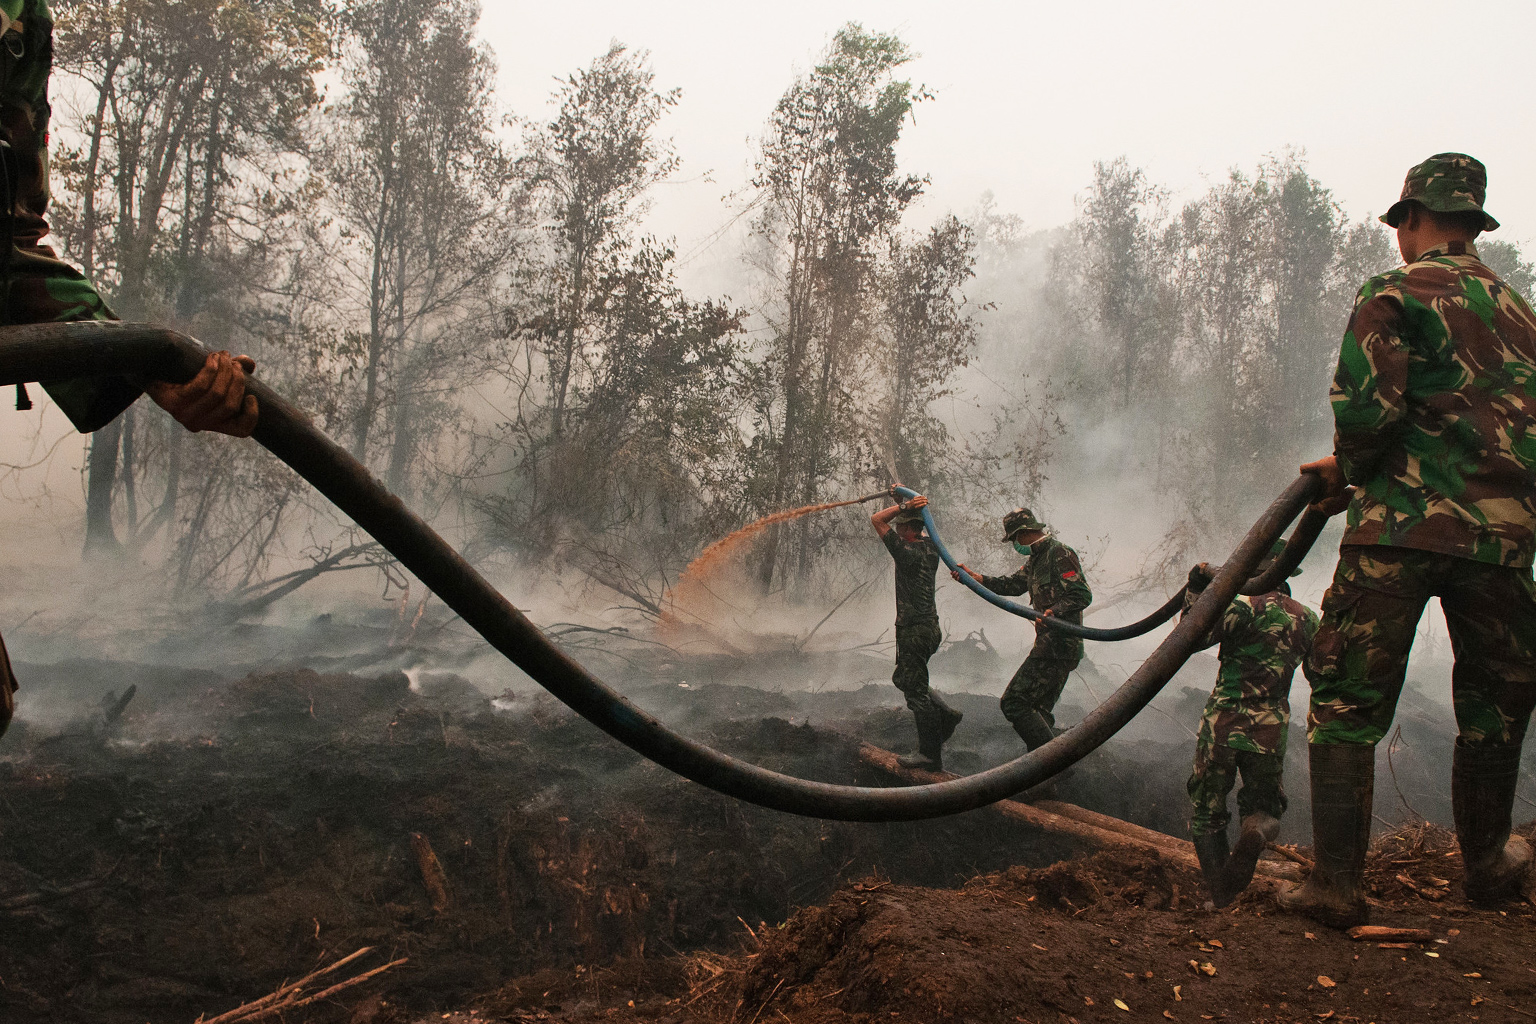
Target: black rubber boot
<point>1483,780</point>
<point>929,755</point>
<point>1033,730</point>
<point>1259,830</point>
<point>1211,848</point>
<point>949,718</point>
<point>1343,778</point>
<point>1036,733</point>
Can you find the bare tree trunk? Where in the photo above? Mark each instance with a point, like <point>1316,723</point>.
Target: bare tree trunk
<point>100,538</point>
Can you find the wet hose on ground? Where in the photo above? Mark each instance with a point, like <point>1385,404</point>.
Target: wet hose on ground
<point>48,352</point>
<point>1296,548</point>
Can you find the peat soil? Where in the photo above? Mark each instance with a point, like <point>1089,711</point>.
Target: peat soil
<point>1098,938</point>
<point>219,834</point>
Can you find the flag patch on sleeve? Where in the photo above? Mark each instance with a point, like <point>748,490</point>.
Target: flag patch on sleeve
<point>1070,574</point>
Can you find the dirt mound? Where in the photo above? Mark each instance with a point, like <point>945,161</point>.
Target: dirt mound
<point>1098,939</point>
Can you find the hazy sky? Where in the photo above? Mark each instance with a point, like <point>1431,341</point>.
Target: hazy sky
<point>1028,95</point>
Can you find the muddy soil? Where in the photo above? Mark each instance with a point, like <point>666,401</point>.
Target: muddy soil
<point>232,830</point>
<point>1090,939</point>
<point>223,836</point>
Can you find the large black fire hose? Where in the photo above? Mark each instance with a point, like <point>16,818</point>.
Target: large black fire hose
<point>48,352</point>
<point>1296,548</point>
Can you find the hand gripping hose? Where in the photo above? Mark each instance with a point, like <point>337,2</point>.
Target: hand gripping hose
<point>1296,548</point>
<point>47,352</point>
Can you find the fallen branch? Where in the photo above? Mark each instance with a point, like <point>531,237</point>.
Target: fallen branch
<point>1384,933</point>
<point>290,997</point>
<point>32,899</point>
<point>1083,825</point>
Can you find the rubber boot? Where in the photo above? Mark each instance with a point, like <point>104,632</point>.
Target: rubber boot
<point>929,756</point>
<point>1033,730</point>
<point>1343,777</point>
<point>1259,830</point>
<point>949,718</point>
<point>1211,848</point>
<point>1036,733</point>
<point>1483,782</point>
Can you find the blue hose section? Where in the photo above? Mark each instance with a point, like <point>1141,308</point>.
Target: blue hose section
<point>1169,609</point>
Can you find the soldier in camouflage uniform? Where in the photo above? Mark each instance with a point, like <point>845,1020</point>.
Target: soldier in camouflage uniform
<point>1244,727</point>
<point>1053,579</point>
<point>1434,406</point>
<point>918,635</point>
<point>36,286</point>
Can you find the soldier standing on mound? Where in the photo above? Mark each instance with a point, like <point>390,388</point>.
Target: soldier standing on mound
<point>1244,727</point>
<point>1434,408</point>
<point>1053,579</point>
<point>917,628</point>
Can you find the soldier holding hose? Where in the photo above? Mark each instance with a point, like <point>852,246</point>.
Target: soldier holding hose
<point>36,286</point>
<point>918,635</point>
<point>1434,407</point>
<point>1244,727</point>
<point>1052,576</point>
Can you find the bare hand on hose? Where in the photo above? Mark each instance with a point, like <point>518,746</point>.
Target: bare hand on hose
<point>215,399</point>
<point>973,574</point>
<point>1336,491</point>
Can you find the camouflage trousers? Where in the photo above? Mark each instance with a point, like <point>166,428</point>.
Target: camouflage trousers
<point>1217,767</point>
<point>1037,685</point>
<point>915,644</point>
<point>1370,615</point>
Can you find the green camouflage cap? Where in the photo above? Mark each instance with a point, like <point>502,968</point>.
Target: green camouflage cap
<point>1020,519</point>
<point>910,515</point>
<point>1445,183</point>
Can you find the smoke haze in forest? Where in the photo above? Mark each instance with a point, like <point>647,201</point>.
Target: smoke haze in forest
<point>592,286</point>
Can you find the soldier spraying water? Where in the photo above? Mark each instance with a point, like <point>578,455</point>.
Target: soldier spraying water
<point>918,635</point>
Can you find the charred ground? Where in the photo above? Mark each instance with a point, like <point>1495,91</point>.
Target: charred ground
<point>230,831</point>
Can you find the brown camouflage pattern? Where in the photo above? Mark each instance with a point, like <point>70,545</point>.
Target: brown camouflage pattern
<point>1037,685</point>
<point>1053,579</point>
<point>1434,405</point>
<point>42,287</point>
<point>1262,641</point>
<point>1445,183</point>
<point>1370,617</point>
<point>1216,770</point>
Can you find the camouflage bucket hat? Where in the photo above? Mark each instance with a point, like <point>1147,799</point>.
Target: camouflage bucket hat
<point>1445,183</point>
<point>1020,519</point>
<point>911,515</point>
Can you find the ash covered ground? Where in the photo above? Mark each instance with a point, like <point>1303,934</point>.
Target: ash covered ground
<point>235,826</point>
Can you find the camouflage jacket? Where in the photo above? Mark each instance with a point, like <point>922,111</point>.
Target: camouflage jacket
<point>1262,641</point>
<point>916,565</point>
<point>1434,405</point>
<point>26,64</point>
<point>1053,579</point>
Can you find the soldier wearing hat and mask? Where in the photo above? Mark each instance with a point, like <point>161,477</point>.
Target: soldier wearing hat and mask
<point>1053,579</point>
<point>918,635</point>
<point>1434,407</point>
<point>1244,727</point>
